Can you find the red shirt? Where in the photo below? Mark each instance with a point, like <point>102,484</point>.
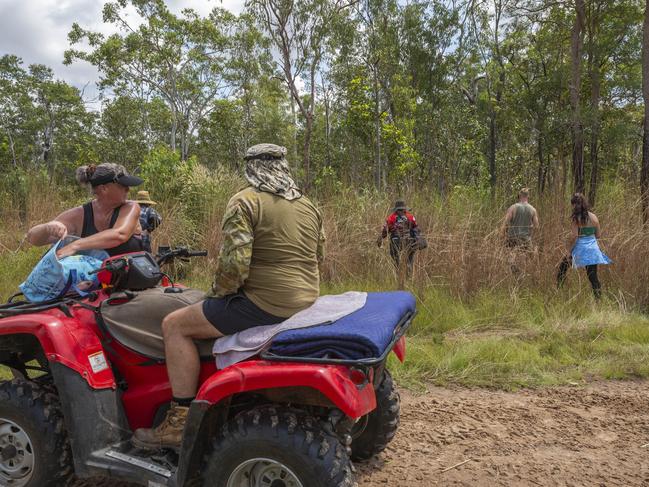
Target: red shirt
<point>399,225</point>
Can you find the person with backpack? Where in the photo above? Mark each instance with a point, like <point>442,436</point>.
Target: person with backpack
<point>404,233</point>
<point>149,218</point>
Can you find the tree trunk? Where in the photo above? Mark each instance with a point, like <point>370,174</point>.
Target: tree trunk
<point>644,173</point>
<point>594,73</point>
<point>575,87</point>
<point>377,134</point>
<point>294,115</point>
<point>327,129</point>
<point>539,153</point>
<point>12,147</point>
<point>306,150</point>
<point>594,137</point>
<point>491,156</point>
<point>174,129</point>
<point>184,143</point>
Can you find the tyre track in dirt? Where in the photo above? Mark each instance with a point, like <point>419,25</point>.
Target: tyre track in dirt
<point>582,435</point>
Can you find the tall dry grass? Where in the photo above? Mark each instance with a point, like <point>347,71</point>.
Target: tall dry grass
<point>465,254</point>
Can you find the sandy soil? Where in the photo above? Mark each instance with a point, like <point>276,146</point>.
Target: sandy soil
<point>586,435</point>
<point>595,435</point>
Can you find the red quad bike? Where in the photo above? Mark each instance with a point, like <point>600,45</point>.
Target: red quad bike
<point>78,394</point>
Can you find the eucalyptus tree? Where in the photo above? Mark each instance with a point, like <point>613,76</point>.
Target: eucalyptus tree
<point>612,39</point>
<point>299,32</point>
<point>44,119</point>
<point>183,60</point>
<point>489,22</point>
<point>15,104</point>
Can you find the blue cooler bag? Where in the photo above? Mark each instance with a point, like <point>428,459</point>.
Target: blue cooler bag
<point>52,277</point>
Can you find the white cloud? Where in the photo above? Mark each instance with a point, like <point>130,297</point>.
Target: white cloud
<point>37,30</point>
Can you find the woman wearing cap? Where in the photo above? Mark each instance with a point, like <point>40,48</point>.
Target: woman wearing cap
<point>109,222</point>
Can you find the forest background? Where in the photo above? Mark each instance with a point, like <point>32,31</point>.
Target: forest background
<point>451,104</point>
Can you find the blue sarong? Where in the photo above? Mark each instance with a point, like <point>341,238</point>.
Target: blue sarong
<point>587,252</point>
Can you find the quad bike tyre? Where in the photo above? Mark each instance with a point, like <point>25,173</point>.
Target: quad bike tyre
<point>34,448</point>
<point>374,431</point>
<point>276,447</point>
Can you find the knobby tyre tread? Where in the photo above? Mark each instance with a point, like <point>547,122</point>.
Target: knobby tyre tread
<point>287,435</point>
<point>36,409</point>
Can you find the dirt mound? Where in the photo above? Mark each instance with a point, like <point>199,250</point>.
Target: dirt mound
<point>596,434</point>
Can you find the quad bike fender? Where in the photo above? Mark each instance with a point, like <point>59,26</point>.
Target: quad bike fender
<point>333,381</point>
<point>64,340</point>
<point>210,408</point>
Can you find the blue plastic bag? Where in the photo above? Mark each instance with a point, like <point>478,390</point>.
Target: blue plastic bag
<point>52,277</point>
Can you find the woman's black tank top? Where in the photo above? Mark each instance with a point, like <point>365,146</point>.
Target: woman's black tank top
<point>133,244</point>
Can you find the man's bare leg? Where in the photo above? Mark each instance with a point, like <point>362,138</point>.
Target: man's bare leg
<point>179,329</point>
<point>183,366</point>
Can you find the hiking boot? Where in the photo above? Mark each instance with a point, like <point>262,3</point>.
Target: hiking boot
<point>168,434</point>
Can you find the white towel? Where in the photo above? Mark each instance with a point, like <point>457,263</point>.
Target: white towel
<point>231,349</point>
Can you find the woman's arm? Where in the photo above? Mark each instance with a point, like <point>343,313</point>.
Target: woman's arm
<point>574,235</point>
<point>595,221</point>
<point>125,226</point>
<point>66,223</point>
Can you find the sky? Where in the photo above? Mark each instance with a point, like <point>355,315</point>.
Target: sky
<point>37,31</point>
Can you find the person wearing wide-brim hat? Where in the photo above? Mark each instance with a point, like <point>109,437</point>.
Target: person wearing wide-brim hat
<point>143,198</point>
<point>149,218</point>
<point>404,233</point>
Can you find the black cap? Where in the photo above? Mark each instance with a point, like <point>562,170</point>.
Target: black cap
<point>122,178</point>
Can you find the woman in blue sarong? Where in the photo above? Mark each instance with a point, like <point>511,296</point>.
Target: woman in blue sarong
<point>585,250</point>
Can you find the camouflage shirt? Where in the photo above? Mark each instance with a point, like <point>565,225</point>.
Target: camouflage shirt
<point>271,248</point>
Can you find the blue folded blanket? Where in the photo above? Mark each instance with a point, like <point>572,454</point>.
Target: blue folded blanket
<point>364,334</point>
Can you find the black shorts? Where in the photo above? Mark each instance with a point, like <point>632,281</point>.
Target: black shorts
<point>235,312</point>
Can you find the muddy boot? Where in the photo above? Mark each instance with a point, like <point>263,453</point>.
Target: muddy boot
<point>167,434</point>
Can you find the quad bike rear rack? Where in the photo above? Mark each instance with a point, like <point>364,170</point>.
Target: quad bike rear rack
<point>399,331</point>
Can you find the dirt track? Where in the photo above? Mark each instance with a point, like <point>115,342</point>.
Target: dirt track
<point>584,435</point>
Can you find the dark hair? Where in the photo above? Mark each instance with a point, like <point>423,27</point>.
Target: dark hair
<point>580,208</point>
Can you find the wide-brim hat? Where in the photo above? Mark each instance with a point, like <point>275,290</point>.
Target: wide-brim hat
<point>399,205</point>
<point>143,197</point>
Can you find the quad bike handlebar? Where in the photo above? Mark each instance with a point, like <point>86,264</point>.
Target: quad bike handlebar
<point>166,254</point>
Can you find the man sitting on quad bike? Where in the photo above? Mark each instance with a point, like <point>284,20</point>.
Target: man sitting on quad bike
<point>267,270</point>
<point>109,222</point>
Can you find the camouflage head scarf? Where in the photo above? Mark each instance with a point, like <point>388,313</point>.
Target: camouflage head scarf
<point>267,170</point>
